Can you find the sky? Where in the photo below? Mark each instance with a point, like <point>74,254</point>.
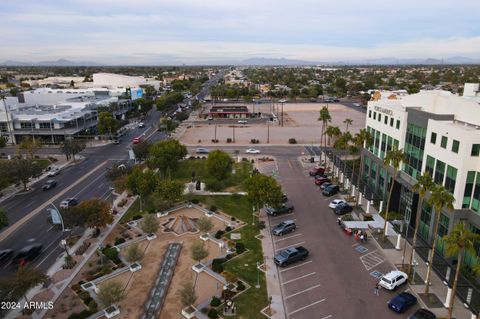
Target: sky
<point>224,31</point>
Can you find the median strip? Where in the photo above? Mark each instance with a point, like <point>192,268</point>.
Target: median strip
<point>27,217</point>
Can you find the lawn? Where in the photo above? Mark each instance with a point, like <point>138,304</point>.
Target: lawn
<point>244,266</point>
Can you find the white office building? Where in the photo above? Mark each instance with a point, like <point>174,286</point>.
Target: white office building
<point>111,80</point>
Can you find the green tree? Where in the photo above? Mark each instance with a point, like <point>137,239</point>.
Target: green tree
<point>347,122</point>
<point>393,158</point>
<point>457,243</point>
<point>3,218</point>
<point>95,212</point>
<point>165,155</point>
<point>186,293</point>
<point>133,253</point>
<point>263,190</point>
<point>110,293</point>
<point>3,141</point>
<point>141,150</point>
<point>30,146</point>
<point>142,182</point>
<point>149,223</point>
<point>423,186</point>
<point>325,118</point>
<point>198,252</point>
<point>72,148</point>
<point>168,125</point>
<point>332,132</point>
<point>107,123</point>
<point>23,169</point>
<point>219,164</point>
<point>169,192</point>
<point>12,288</point>
<point>169,100</point>
<point>439,198</point>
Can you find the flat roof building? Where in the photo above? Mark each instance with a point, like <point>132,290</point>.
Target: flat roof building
<point>229,111</point>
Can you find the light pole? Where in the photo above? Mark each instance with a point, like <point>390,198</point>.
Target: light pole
<point>282,101</point>
<point>233,140</point>
<point>268,131</point>
<point>64,244</point>
<point>258,275</point>
<point>253,215</point>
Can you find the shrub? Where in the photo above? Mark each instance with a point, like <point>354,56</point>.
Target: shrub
<point>240,285</point>
<point>239,247</point>
<point>122,202</point>
<point>80,315</point>
<point>292,141</point>
<point>195,201</point>
<point>233,219</point>
<point>219,234</point>
<point>217,265</point>
<point>213,208</point>
<point>214,185</point>
<point>92,306</point>
<point>228,228</point>
<point>215,302</point>
<point>261,225</point>
<point>119,240</point>
<point>111,254</point>
<point>212,314</point>
<point>136,217</point>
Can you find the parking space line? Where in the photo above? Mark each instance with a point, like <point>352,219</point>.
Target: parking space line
<point>301,292</point>
<point>288,237</point>
<point>293,245</point>
<point>299,265</point>
<point>298,278</point>
<point>307,306</point>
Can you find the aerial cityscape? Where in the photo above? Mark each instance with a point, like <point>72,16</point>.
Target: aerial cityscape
<point>217,159</point>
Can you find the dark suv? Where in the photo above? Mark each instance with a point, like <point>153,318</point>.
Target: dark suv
<point>27,254</point>
<point>342,209</point>
<point>51,183</point>
<point>331,190</point>
<point>285,208</point>
<point>284,227</point>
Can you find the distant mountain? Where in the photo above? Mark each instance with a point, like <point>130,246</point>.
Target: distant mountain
<point>59,62</point>
<point>275,61</point>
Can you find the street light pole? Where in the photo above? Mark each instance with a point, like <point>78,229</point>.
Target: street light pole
<point>282,113</point>
<point>233,140</point>
<point>258,275</point>
<point>268,131</point>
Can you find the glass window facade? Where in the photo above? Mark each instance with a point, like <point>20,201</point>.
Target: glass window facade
<point>475,150</point>
<point>451,179</point>
<point>398,124</point>
<point>385,120</point>
<point>391,121</point>
<point>430,165</point>
<point>455,146</point>
<point>443,143</point>
<point>379,117</point>
<point>439,172</point>
<point>414,146</point>
<point>467,194</point>
<point>383,146</point>
<point>476,195</point>
<point>433,138</point>
<point>374,115</point>
<point>369,113</point>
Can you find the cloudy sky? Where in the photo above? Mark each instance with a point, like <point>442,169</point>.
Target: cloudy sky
<point>206,31</point>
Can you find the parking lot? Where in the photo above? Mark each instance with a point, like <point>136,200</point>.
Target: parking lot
<point>337,280</point>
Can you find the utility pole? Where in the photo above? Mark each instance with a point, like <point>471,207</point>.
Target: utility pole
<point>215,138</point>
<point>282,113</point>
<point>268,131</point>
<point>233,140</point>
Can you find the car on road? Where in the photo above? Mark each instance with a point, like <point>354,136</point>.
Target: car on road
<point>54,171</point>
<point>27,253</point>
<point>290,255</point>
<point>242,122</point>
<point>357,104</point>
<point>401,302</point>
<point>252,151</point>
<point>334,203</point>
<point>325,185</point>
<point>319,180</point>
<point>342,209</point>
<point>286,208</point>
<point>5,256</point>
<point>393,279</point>
<point>331,190</point>
<point>51,183</point>
<point>116,141</point>
<point>316,171</point>
<point>141,125</point>
<point>136,140</point>
<point>423,314</point>
<point>287,226</point>
<point>202,150</point>
<point>69,202</point>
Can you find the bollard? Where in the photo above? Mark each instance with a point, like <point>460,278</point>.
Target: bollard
<point>448,298</point>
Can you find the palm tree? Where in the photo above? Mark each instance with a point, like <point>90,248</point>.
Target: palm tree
<point>332,131</point>
<point>362,139</point>
<point>325,117</point>
<point>343,143</point>
<point>459,241</point>
<point>348,122</point>
<point>439,198</point>
<point>424,184</point>
<point>393,158</point>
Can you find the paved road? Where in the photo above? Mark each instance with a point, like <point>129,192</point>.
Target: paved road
<point>335,281</point>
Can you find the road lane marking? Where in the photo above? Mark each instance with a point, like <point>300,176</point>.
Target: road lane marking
<point>46,249</point>
<point>307,306</point>
<point>300,265</point>
<point>298,278</point>
<point>288,237</point>
<point>30,204</point>
<point>326,317</point>
<point>301,292</point>
<point>7,232</point>
<point>297,244</point>
<point>289,164</point>
<point>88,185</point>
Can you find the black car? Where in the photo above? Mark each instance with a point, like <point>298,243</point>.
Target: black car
<point>423,314</point>
<point>5,256</point>
<point>285,208</point>
<point>325,185</point>
<point>342,209</point>
<point>51,183</point>
<point>27,254</point>
<point>331,190</point>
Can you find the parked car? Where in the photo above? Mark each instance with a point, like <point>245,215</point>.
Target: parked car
<point>27,254</point>
<point>252,151</point>
<point>331,190</point>
<point>201,150</point>
<point>319,180</point>
<point>116,141</point>
<point>334,203</point>
<point>287,226</point>
<point>393,279</point>
<point>401,302</point>
<point>316,171</point>
<point>5,256</point>
<point>242,122</point>
<point>141,125</point>
<point>54,171</point>
<point>342,209</point>
<point>69,202</point>
<point>51,183</point>
<point>325,185</point>
<point>290,255</point>
<point>423,314</point>
<point>286,207</point>
<point>136,140</point>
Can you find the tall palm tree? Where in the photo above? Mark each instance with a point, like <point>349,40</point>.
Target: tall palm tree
<point>439,198</point>
<point>343,143</point>
<point>422,187</point>
<point>347,122</point>
<point>362,139</point>
<point>325,117</point>
<point>332,131</point>
<point>459,241</point>
<point>393,158</point>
